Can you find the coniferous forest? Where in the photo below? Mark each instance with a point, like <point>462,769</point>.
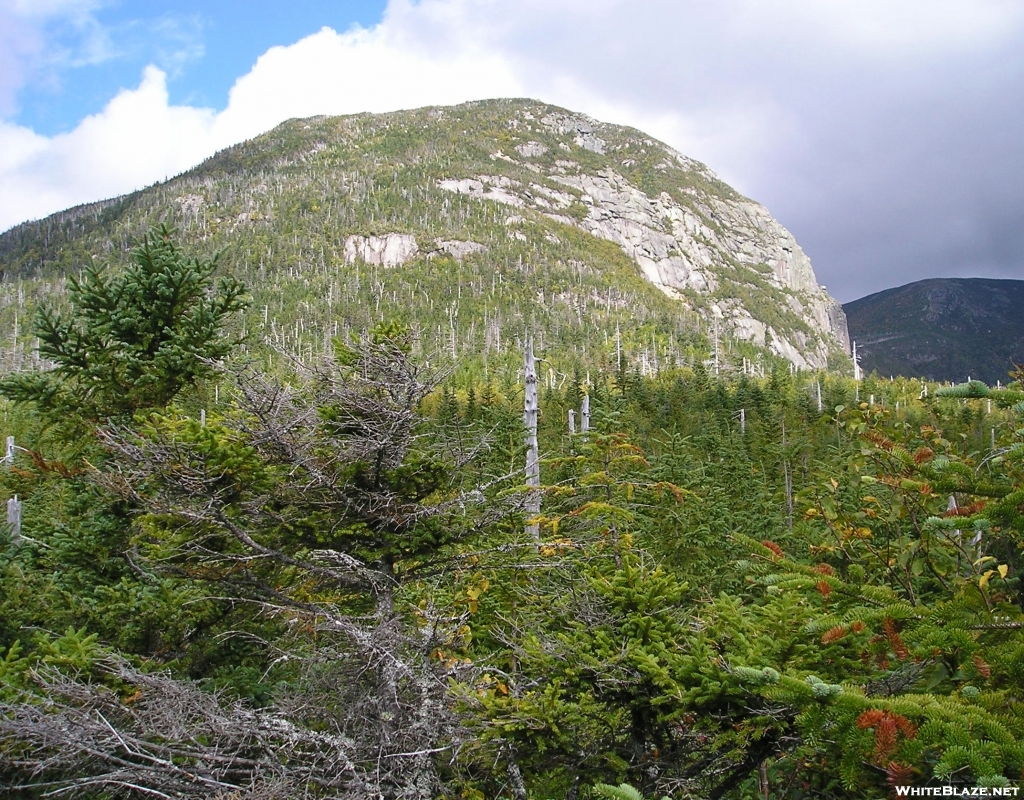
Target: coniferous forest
<point>237,573</point>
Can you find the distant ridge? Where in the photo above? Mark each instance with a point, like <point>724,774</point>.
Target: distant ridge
<point>943,329</point>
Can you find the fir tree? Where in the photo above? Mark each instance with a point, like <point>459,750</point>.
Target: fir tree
<point>135,339</point>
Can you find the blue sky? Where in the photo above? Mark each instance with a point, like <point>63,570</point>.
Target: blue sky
<point>888,135</point>
<point>202,45</point>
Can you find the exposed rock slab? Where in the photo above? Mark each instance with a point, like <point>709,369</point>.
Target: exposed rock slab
<point>684,248</point>
<point>458,249</point>
<point>394,249</point>
<point>388,250</point>
<point>700,243</point>
<point>485,187</point>
<point>531,149</point>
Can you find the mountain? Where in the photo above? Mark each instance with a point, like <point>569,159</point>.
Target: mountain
<point>478,224</point>
<point>944,329</point>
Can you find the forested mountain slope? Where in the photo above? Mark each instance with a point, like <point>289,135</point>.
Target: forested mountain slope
<point>274,529</point>
<point>943,329</point>
<point>474,224</point>
<point>330,578</point>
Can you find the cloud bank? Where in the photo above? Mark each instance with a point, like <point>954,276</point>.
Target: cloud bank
<point>884,133</point>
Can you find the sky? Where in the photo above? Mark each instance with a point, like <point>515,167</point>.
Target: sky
<point>887,135</point>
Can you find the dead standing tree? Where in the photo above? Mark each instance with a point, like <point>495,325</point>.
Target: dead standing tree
<point>316,505</point>
<point>531,406</point>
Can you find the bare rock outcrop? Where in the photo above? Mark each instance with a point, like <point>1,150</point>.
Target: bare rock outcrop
<point>394,249</point>
<point>459,249</point>
<point>388,250</point>
<point>686,248</point>
<point>486,187</point>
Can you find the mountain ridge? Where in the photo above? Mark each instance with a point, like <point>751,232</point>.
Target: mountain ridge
<point>943,329</point>
<point>499,181</point>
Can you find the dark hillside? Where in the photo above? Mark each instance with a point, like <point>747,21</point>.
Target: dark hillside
<point>943,329</point>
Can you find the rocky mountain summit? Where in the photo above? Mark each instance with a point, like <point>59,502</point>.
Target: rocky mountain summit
<point>703,242</point>
<point>494,211</point>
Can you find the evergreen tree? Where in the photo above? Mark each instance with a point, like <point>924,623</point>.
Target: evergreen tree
<point>131,340</point>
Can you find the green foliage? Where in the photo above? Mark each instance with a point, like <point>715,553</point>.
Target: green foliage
<point>133,340</point>
<point>621,792</point>
<point>969,389</point>
<point>712,604</point>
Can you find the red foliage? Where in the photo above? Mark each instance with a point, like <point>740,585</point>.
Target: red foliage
<point>879,441</point>
<point>824,589</point>
<point>43,465</point>
<point>984,670</point>
<point>773,547</point>
<point>897,774</point>
<point>887,727</point>
<point>824,569</point>
<point>965,511</point>
<point>895,642</point>
<point>923,454</point>
<point>834,635</point>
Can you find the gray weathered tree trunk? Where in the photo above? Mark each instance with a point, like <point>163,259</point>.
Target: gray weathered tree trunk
<point>530,409</point>
<point>14,518</point>
<point>515,774</point>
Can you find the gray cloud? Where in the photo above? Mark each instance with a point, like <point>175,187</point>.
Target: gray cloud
<point>887,136</point>
<point>919,176</point>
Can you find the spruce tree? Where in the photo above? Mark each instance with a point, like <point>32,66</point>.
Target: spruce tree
<point>131,340</point>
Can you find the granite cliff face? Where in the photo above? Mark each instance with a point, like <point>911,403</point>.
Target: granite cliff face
<point>693,246</point>
<point>478,223</point>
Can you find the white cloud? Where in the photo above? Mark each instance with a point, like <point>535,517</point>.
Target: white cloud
<point>376,70</point>
<point>140,138</point>
<point>19,146</point>
<point>809,105</point>
<point>38,38</point>
<point>137,139</point>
